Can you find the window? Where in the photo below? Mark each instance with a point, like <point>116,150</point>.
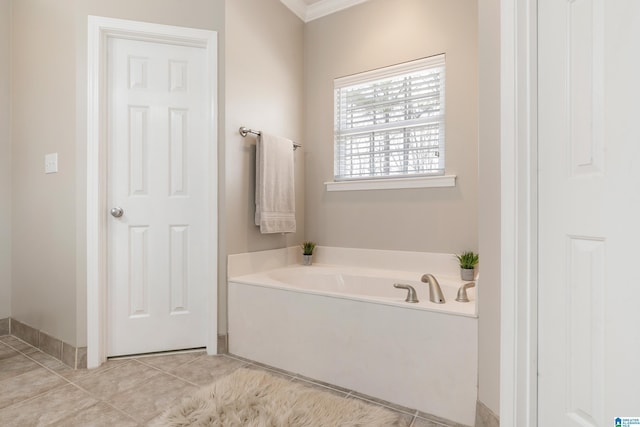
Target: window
<point>389,123</point>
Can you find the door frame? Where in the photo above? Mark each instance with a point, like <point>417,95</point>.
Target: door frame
<point>519,210</point>
<point>100,29</point>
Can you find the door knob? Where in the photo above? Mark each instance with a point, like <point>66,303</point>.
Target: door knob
<point>117,212</point>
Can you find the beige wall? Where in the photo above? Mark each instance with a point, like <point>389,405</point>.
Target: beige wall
<point>43,121</point>
<point>49,115</point>
<point>372,35</point>
<point>5,161</point>
<point>263,91</point>
<point>489,209</point>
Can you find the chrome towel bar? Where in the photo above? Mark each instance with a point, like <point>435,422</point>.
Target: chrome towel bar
<point>244,131</point>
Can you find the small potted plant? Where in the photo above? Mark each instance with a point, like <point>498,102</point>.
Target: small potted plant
<point>307,252</point>
<point>468,261</point>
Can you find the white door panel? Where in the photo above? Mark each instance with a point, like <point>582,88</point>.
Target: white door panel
<point>589,151</point>
<point>157,174</point>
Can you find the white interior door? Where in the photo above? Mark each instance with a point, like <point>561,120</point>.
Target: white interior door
<point>589,170</point>
<point>157,238</point>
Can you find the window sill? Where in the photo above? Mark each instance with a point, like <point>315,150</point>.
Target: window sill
<point>392,183</point>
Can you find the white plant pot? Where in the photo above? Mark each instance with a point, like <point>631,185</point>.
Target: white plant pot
<point>467,273</point>
<point>307,259</point>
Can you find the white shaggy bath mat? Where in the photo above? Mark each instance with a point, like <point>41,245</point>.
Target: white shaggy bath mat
<point>250,398</point>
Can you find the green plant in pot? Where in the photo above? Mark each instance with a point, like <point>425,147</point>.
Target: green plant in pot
<point>307,252</point>
<point>468,261</point>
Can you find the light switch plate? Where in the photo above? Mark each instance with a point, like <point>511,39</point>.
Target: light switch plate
<point>51,163</point>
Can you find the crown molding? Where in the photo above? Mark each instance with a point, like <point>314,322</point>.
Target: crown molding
<point>327,7</point>
<point>298,7</point>
<point>319,9</point>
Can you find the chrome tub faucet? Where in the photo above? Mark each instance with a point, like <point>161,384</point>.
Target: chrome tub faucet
<point>435,293</point>
<point>462,292</point>
<point>411,294</point>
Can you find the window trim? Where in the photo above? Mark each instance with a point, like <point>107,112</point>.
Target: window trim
<point>432,181</point>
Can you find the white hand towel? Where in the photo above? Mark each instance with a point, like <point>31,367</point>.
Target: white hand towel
<point>275,190</point>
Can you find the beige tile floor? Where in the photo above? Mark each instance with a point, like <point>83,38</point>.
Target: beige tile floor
<point>38,390</point>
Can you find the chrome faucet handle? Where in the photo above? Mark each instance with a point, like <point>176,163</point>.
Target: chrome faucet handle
<point>411,294</point>
<point>462,292</point>
<point>435,293</point>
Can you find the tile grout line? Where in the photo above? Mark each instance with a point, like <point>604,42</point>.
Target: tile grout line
<point>37,363</point>
<point>28,399</point>
<point>70,383</point>
<point>172,374</point>
<point>98,401</point>
<point>67,382</point>
<point>105,401</point>
<point>385,406</point>
<point>57,373</point>
<point>344,391</point>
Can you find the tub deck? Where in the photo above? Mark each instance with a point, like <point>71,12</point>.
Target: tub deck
<point>373,285</point>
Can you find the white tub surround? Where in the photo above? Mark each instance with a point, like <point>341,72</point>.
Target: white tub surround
<point>438,264</point>
<point>341,321</point>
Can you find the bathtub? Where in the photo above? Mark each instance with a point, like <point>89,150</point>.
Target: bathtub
<point>360,284</point>
<point>350,327</point>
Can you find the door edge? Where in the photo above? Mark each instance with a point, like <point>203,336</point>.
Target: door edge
<point>519,225</point>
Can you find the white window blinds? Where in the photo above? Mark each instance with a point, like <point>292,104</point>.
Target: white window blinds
<point>389,122</point>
